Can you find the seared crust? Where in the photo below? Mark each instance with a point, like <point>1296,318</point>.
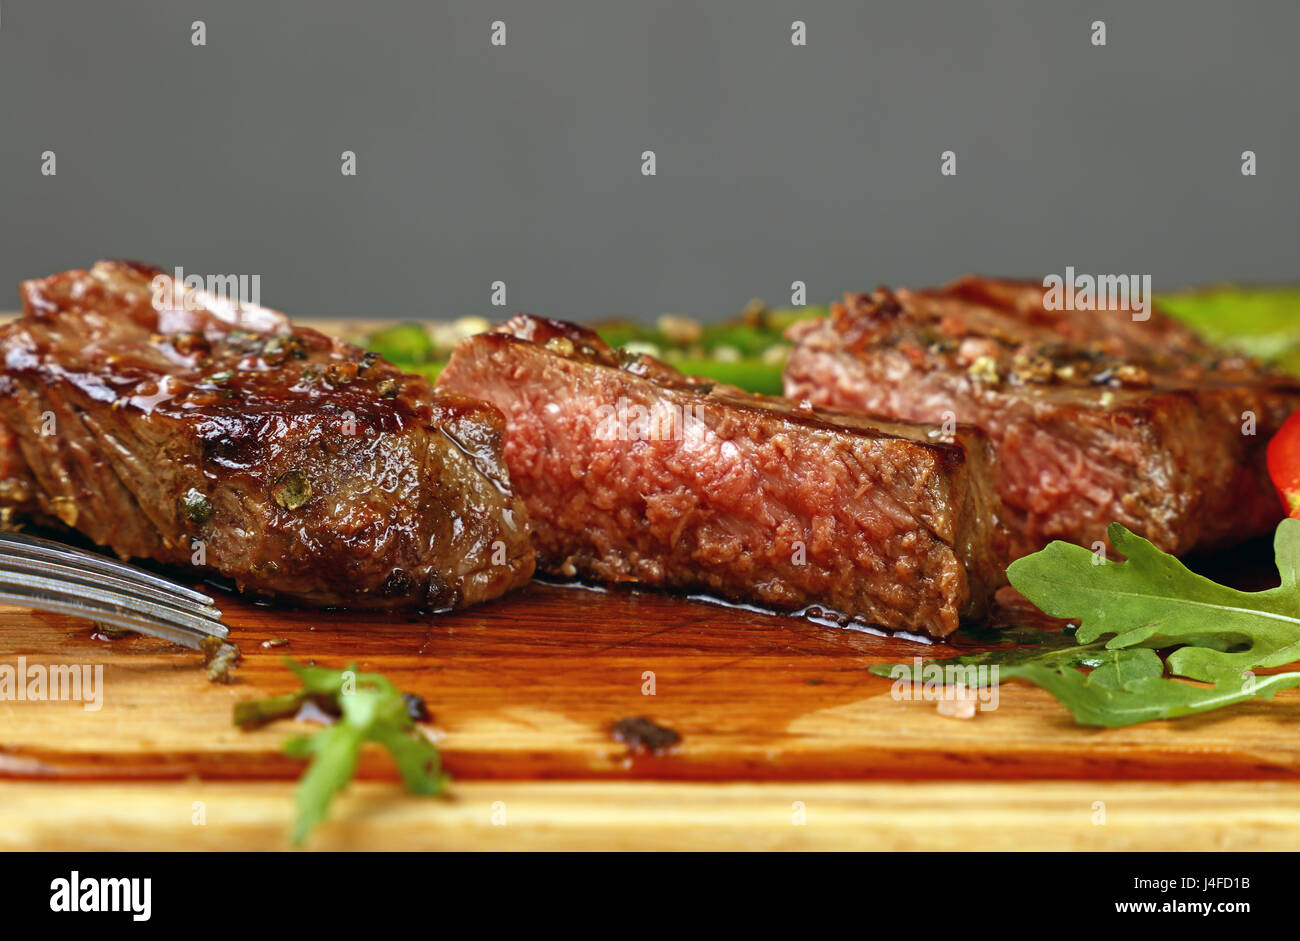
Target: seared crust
<point>1096,417</point>
<point>179,428</point>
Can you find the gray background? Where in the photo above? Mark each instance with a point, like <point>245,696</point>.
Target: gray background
<point>522,163</point>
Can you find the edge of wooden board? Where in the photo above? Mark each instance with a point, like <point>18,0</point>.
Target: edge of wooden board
<point>1073,816</point>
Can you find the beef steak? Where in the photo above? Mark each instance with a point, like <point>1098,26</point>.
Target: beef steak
<point>1096,417</point>
<point>633,472</point>
<point>168,424</point>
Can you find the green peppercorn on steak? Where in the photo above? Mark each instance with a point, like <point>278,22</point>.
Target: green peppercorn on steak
<point>170,424</point>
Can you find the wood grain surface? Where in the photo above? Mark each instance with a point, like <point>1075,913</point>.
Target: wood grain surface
<point>523,691</point>
<point>632,815</point>
<point>526,688</point>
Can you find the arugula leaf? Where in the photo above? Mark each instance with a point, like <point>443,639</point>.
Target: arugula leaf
<point>1154,600</point>
<point>1114,700</point>
<point>1110,672</point>
<point>1054,649</point>
<point>1260,321</point>
<point>369,709</point>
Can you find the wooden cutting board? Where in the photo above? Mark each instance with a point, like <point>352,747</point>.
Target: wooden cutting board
<point>526,688</point>
<point>774,713</point>
<point>787,742</point>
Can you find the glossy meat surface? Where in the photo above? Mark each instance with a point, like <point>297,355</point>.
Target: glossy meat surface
<point>168,424</point>
<point>635,473</point>
<point>1096,417</point>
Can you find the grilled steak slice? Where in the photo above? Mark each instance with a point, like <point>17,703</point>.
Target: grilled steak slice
<point>17,488</point>
<point>1096,417</point>
<point>174,426</point>
<point>633,472</point>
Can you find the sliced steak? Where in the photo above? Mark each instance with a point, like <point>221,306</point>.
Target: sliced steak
<point>17,488</point>
<point>1096,417</point>
<point>173,426</point>
<point>633,472</point>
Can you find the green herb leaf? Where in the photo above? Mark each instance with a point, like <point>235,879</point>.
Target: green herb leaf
<point>1112,700</point>
<point>334,752</point>
<point>1259,321</point>
<point>417,760</point>
<point>1152,599</point>
<point>370,709</point>
<point>1110,672</point>
<point>1052,649</point>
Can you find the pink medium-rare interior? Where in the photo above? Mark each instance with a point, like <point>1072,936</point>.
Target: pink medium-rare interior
<point>725,504</point>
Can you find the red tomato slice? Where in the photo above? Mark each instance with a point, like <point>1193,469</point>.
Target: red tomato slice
<point>1284,464</point>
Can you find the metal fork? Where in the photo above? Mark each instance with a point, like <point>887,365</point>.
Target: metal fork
<point>41,573</point>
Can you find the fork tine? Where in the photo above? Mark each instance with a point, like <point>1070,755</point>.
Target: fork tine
<point>43,574</point>
<point>103,598</point>
<point>63,603</point>
<point>74,575</point>
<point>36,547</point>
